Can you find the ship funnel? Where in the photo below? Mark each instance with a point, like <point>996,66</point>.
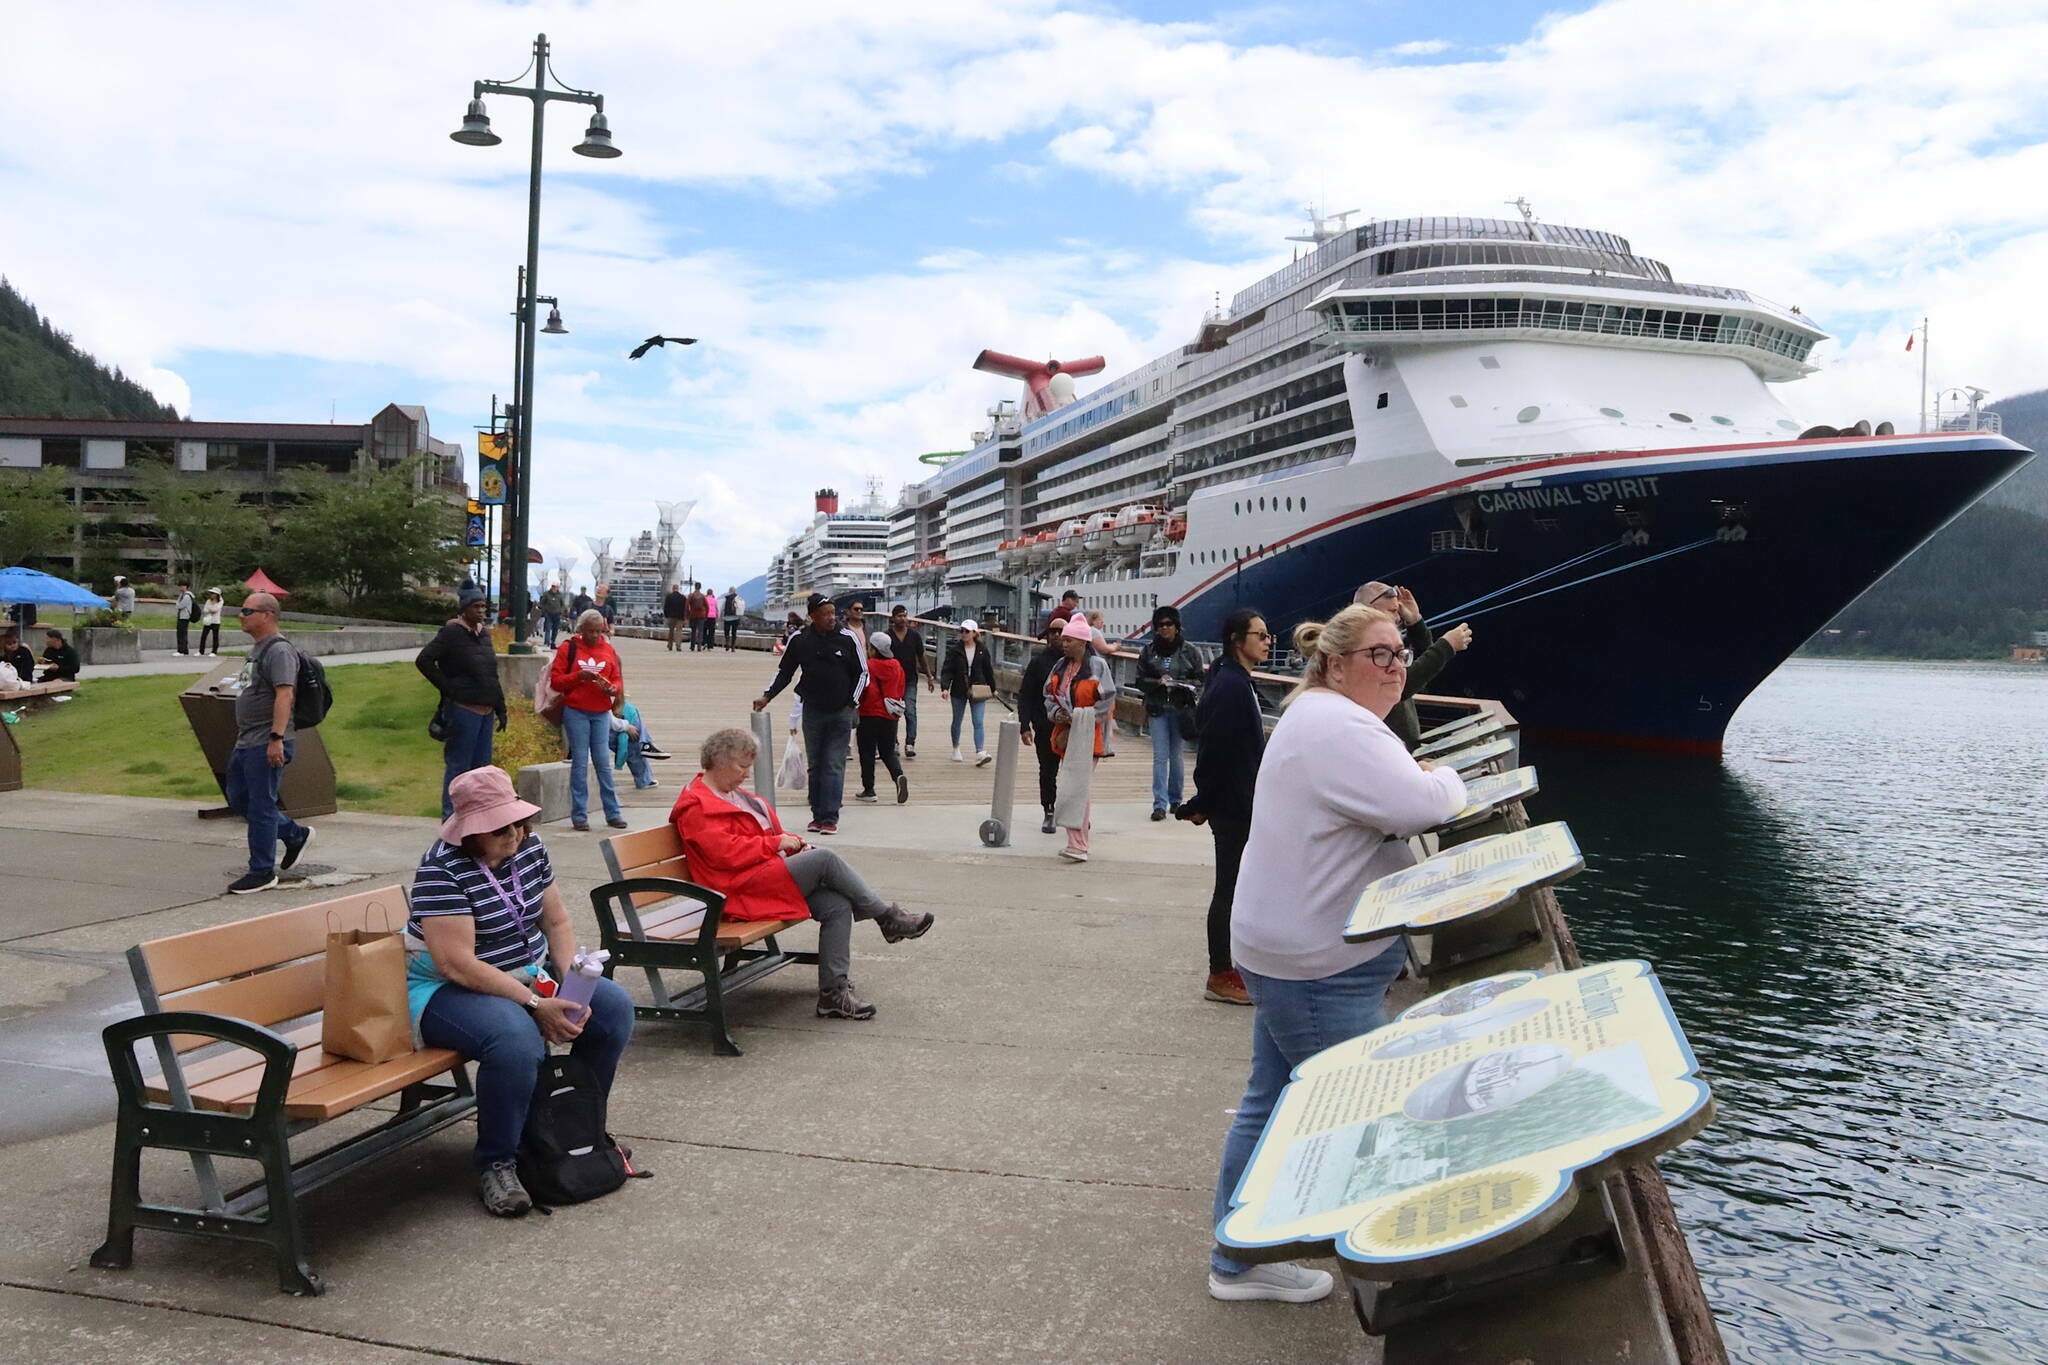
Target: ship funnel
<point>828,501</point>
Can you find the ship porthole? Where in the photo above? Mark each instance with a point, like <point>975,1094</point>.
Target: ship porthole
<point>1529,414</point>
<point>1678,417</point>
<point>1616,413</point>
<point>1725,421</point>
<point>1787,426</point>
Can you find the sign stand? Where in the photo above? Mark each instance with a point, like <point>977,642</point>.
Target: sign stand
<point>308,786</point>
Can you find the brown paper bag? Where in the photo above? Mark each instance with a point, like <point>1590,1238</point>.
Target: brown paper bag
<point>366,1017</point>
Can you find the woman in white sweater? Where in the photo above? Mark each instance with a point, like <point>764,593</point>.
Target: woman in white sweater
<point>1336,795</point>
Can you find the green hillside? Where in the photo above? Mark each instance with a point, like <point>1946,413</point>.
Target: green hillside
<point>2026,421</point>
<point>43,375</point>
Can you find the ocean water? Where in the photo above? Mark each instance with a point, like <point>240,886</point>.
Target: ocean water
<point>1850,914</point>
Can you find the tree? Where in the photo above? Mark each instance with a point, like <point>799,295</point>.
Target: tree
<point>369,533</point>
<point>209,529</point>
<point>36,515</point>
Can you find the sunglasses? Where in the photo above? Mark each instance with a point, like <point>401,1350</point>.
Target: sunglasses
<point>255,611</point>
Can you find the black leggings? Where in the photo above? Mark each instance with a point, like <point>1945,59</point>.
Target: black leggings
<point>1230,836</point>
<point>209,637</point>
<point>876,738</point>
<point>1048,766</point>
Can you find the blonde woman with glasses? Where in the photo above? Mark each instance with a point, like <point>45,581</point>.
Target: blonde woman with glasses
<point>1337,793</point>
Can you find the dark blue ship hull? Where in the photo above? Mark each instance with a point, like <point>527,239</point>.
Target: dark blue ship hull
<point>1623,600</point>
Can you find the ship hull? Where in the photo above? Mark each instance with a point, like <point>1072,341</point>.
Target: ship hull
<point>1629,600</point>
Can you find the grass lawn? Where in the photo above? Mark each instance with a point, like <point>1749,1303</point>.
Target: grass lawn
<point>145,619</point>
<point>128,737</point>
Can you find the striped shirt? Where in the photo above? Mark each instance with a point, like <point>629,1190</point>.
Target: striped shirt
<point>450,882</point>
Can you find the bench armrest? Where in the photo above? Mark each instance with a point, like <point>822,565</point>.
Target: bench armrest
<point>279,1054</point>
<point>621,892</point>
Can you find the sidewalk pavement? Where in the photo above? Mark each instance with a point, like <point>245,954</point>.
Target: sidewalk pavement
<point>1012,1162</point>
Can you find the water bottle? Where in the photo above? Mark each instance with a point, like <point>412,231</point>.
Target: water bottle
<point>585,969</point>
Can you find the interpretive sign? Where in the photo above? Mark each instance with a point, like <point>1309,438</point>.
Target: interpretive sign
<point>1451,727</point>
<point>1489,792</point>
<point>1466,1128</point>
<point>1458,739</point>
<point>1465,760</point>
<point>1464,880</point>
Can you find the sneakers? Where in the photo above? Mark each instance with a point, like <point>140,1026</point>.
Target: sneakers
<point>902,789</point>
<point>815,827</point>
<point>824,826</point>
<point>643,786</point>
<point>293,850</point>
<point>618,822</point>
<point>868,797</point>
<point>956,755</point>
<point>909,752</point>
<point>1227,988</point>
<point>1158,813</point>
<point>504,1197</point>
<point>1048,827</point>
<point>982,758</point>
<point>898,924</point>
<point>1285,1282</point>
<point>1073,855</point>
<point>842,1003</point>
<point>649,751</point>
<point>252,881</point>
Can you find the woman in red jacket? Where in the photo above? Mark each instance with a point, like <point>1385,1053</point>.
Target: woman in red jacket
<point>733,844</point>
<point>880,704</point>
<point>586,672</point>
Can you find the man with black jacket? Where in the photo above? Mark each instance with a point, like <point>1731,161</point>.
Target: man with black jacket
<point>1431,653</point>
<point>832,672</point>
<point>675,614</point>
<point>463,667</point>
<point>1034,726</point>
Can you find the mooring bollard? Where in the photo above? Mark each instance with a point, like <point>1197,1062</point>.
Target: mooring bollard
<point>995,831</point>
<point>764,756</point>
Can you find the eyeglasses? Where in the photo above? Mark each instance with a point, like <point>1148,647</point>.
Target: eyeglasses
<point>1258,635</point>
<point>1384,656</point>
<point>1390,592</point>
<point>516,827</point>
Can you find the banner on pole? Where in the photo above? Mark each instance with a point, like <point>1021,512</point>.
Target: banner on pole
<point>491,449</point>
<point>477,534</point>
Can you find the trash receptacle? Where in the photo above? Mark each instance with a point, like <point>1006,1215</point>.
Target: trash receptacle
<point>308,787</point>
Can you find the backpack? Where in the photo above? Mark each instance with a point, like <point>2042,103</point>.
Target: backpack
<point>312,698</point>
<point>565,1154</point>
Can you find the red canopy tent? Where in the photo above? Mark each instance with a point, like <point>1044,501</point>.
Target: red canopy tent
<point>261,582</point>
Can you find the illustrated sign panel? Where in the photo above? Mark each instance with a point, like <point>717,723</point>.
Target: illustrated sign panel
<point>1465,760</point>
<point>1465,1128</point>
<point>1487,793</point>
<point>1464,880</point>
<point>1470,734</point>
<point>1451,727</point>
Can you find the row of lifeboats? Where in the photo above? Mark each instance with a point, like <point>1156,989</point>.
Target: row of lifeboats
<point>1126,529</point>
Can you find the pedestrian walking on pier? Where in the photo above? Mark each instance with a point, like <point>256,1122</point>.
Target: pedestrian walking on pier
<point>1080,693</point>
<point>587,673</point>
<point>832,673</point>
<point>1168,668</point>
<point>1034,723</point>
<point>881,702</point>
<point>1337,797</point>
<point>463,667</point>
<point>729,613</point>
<point>909,651</point>
<point>551,605</point>
<point>1232,725</point>
<point>675,614</point>
<point>579,604</point>
<point>265,738</point>
<point>696,608</point>
<point>968,680</point>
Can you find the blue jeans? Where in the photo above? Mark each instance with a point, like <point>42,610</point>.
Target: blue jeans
<point>590,746</point>
<point>1291,1022</point>
<point>504,1042</point>
<point>626,750</point>
<point>960,706</point>
<point>252,794</point>
<point>468,746</point>
<point>826,735</point>
<point>551,622</point>
<point>910,713</point>
<point>1167,756</point>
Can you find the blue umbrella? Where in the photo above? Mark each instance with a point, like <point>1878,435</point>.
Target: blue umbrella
<point>41,589</point>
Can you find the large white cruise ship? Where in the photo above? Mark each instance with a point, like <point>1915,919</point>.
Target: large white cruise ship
<point>1529,425</point>
<point>839,554</point>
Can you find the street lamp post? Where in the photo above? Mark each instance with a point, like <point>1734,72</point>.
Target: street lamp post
<point>597,142</point>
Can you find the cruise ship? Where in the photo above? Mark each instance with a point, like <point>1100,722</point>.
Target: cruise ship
<point>1529,425</point>
<point>839,554</point>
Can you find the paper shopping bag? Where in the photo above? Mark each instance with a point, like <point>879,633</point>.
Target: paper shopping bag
<point>366,1018</point>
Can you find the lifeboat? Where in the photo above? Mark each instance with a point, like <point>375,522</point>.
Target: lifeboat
<point>1042,546</point>
<point>1067,540</point>
<point>1135,525</point>
<point>1177,528</point>
<point>1098,534</point>
<point>1010,553</point>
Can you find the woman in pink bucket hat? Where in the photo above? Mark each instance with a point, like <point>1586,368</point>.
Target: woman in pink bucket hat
<point>489,937</point>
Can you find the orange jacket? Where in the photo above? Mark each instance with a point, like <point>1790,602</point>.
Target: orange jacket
<point>725,849</point>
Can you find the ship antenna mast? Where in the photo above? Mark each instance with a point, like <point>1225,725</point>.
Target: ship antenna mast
<point>1522,202</point>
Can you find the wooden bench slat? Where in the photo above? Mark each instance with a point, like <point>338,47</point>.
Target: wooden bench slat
<point>644,847</point>
<point>335,1090</point>
<point>292,991</point>
<point>209,955</point>
<point>208,1069</point>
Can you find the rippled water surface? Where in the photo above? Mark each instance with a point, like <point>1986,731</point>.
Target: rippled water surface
<point>1850,913</point>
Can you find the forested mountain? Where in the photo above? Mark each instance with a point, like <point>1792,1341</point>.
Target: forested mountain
<point>2026,421</point>
<point>43,375</point>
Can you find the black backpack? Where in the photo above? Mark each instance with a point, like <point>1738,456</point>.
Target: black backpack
<point>312,698</point>
<point>565,1154</point>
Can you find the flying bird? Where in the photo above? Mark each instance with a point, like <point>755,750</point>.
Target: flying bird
<point>644,347</point>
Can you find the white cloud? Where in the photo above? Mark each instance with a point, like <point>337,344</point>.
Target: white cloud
<point>1870,162</point>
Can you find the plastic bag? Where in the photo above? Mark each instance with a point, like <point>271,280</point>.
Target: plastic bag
<point>794,775</point>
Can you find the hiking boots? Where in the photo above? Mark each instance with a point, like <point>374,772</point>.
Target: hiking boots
<point>842,1003</point>
<point>1227,988</point>
<point>498,1186</point>
<point>898,924</point>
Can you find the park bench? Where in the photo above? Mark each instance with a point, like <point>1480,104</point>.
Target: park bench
<point>240,984</point>
<point>649,915</point>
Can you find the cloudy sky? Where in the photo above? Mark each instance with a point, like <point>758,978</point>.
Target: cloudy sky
<point>255,208</point>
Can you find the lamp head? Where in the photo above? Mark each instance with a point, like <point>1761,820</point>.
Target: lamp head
<point>554,323</point>
<point>597,139</point>
<point>476,128</point>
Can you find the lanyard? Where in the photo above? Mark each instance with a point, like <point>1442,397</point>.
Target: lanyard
<point>516,902</point>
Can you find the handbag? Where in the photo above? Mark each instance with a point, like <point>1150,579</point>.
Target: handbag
<point>980,692</point>
<point>365,1017</point>
<point>437,724</point>
<point>548,703</point>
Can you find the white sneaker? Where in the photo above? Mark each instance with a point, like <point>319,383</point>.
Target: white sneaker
<point>982,758</point>
<point>957,758</point>
<point>1073,855</point>
<point>1284,1282</point>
